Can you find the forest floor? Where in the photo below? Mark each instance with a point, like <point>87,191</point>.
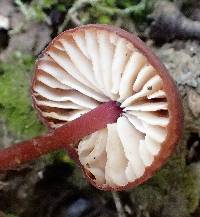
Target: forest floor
<point>53,186</point>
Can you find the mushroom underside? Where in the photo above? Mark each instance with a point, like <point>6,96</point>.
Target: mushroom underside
<point>84,68</point>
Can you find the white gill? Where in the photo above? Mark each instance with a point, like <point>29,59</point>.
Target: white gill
<point>88,67</point>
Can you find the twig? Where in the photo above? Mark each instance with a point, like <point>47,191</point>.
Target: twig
<point>18,29</point>
<point>72,13</point>
<point>75,20</point>
<point>169,23</point>
<point>122,12</point>
<point>118,205</point>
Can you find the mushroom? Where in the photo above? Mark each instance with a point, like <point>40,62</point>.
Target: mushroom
<point>94,64</point>
<point>88,65</point>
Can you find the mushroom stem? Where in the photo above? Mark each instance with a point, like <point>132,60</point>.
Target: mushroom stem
<point>68,134</point>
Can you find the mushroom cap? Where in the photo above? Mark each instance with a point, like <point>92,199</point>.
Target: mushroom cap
<point>91,64</point>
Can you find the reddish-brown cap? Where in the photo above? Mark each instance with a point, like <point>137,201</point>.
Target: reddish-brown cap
<point>86,66</point>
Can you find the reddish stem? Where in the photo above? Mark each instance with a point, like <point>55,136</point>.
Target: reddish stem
<point>68,134</point>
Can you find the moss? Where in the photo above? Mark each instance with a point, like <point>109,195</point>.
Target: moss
<point>38,10</point>
<point>16,106</point>
<point>58,156</point>
<point>110,11</point>
<point>10,215</point>
<point>15,98</point>
<point>172,192</point>
<point>104,11</point>
<point>104,19</point>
